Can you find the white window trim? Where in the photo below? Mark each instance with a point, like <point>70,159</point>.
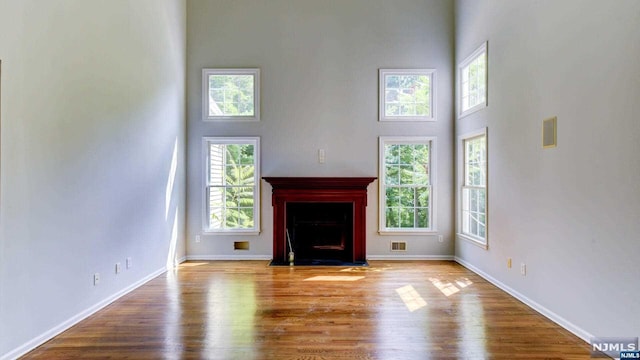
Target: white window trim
<point>382,89</point>
<point>255,140</point>
<point>256,94</point>
<point>382,230</point>
<point>468,60</point>
<point>483,243</point>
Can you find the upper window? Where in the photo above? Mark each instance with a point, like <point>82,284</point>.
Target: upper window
<point>231,94</point>
<point>473,81</point>
<point>407,184</point>
<point>232,184</point>
<point>407,95</point>
<point>473,224</point>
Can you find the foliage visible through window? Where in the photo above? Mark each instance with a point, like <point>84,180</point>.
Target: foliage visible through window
<point>473,81</point>
<point>406,187</point>
<point>474,189</point>
<point>231,93</point>
<point>406,94</point>
<point>232,184</point>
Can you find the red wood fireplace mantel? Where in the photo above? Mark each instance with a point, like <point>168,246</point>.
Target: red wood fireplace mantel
<point>319,189</point>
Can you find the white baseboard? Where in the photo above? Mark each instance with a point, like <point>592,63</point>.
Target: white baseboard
<point>65,325</point>
<point>409,257</point>
<point>567,325</point>
<point>228,257</point>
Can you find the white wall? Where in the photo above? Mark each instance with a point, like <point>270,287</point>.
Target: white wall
<point>570,213</point>
<point>93,108</point>
<point>319,63</point>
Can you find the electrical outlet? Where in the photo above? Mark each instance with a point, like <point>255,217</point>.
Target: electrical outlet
<point>321,156</point>
<point>440,238</point>
<point>96,279</point>
<point>129,263</point>
<point>509,263</point>
<point>197,238</point>
<point>118,268</point>
<point>523,269</point>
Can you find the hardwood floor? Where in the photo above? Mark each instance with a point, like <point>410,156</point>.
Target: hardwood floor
<point>248,310</point>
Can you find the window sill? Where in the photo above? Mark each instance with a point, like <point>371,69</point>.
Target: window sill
<point>474,241</point>
<point>407,232</point>
<point>232,119</point>
<point>231,232</point>
<point>472,110</point>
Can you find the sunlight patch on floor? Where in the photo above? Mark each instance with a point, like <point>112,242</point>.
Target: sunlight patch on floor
<point>445,287</point>
<point>334,278</point>
<point>192,264</point>
<point>411,298</point>
<point>463,282</point>
<point>448,288</point>
<point>362,269</point>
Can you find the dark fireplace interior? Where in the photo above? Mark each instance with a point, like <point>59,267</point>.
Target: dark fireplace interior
<point>320,232</point>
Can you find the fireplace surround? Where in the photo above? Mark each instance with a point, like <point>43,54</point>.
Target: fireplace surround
<point>325,218</point>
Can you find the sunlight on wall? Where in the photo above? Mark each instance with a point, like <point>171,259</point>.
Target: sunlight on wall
<point>171,180</point>
<point>172,262</point>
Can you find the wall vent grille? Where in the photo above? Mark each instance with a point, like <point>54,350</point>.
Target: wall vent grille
<point>398,246</point>
<point>240,245</point>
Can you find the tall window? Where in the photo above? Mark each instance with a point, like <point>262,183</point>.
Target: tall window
<point>473,81</point>
<point>231,94</point>
<point>407,184</point>
<point>232,183</point>
<point>474,188</point>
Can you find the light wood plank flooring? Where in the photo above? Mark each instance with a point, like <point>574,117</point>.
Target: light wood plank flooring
<point>248,310</point>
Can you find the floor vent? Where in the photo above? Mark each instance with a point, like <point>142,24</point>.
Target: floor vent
<point>398,246</point>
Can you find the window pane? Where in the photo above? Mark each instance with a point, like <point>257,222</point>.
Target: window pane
<point>392,175</point>
<point>407,218</point>
<point>393,196</point>
<point>422,217</point>
<point>392,218</point>
<point>231,95</point>
<point>406,174</point>
<point>423,196</point>
<point>392,154</point>
<point>407,197</point>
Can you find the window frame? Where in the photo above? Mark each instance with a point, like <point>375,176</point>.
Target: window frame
<point>462,171</point>
<point>383,73</point>
<point>482,50</point>
<point>407,140</point>
<point>253,140</point>
<point>207,72</point>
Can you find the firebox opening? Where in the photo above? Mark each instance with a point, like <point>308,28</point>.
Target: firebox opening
<point>321,231</point>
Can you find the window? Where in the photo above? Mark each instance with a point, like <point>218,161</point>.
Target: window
<point>231,94</point>
<point>407,94</point>
<point>473,224</point>
<point>407,184</point>
<point>473,82</point>
<point>232,184</point>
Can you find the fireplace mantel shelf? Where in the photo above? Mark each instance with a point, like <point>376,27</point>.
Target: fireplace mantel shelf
<point>288,190</point>
<point>319,182</point>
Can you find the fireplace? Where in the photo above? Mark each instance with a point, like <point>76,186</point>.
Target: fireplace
<point>323,216</point>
